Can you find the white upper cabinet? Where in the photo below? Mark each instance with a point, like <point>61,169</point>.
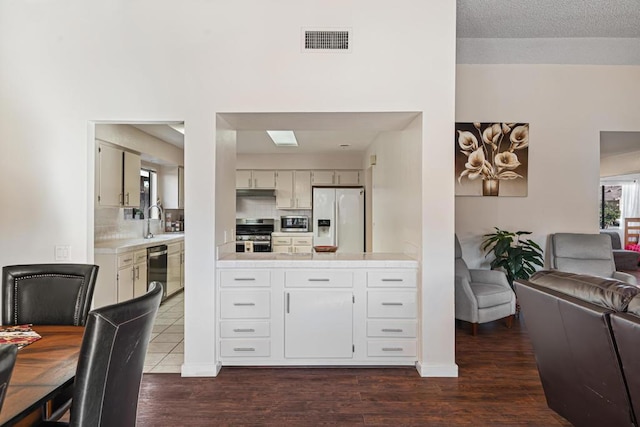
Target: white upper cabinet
<point>347,177</point>
<point>172,187</point>
<point>336,177</point>
<point>323,178</point>
<point>118,177</point>
<point>293,189</point>
<point>257,179</point>
<point>131,181</point>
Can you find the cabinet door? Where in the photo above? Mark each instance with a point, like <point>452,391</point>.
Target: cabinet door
<point>182,269</point>
<point>173,272</point>
<point>347,177</point>
<point>180,187</point>
<point>322,178</point>
<point>125,283</point>
<point>264,179</point>
<point>318,323</point>
<point>302,189</point>
<point>281,248</point>
<point>284,190</point>
<point>131,179</point>
<point>140,279</point>
<point>243,178</point>
<point>109,176</point>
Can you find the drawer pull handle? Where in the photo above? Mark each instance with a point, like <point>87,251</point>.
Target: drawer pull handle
<point>244,330</point>
<point>391,330</point>
<point>244,349</point>
<point>319,280</point>
<point>244,304</point>
<point>244,279</point>
<point>392,280</point>
<point>392,303</point>
<point>392,348</point>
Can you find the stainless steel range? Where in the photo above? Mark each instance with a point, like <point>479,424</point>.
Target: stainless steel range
<point>255,230</point>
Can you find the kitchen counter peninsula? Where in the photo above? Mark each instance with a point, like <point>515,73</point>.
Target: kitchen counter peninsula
<point>279,309</point>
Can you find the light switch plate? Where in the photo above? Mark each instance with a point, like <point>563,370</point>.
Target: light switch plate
<point>63,253</point>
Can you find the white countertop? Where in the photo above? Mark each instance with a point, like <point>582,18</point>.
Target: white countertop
<point>126,245</point>
<point>315,260</point>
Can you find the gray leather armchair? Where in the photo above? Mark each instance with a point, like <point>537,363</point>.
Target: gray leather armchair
<point>481,295</point>
<point>589,254</point>
<point>623,259</point>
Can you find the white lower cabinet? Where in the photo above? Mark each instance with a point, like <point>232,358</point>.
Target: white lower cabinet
<point>317,316</point>
<point>318,323</point>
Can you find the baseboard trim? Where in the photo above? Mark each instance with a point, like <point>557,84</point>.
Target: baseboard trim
<point>449,371</point>
<point>200,369</point>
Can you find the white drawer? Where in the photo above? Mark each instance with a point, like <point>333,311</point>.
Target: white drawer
<point>280,240</point>
<point>125,260</point>
<point>303,241</point>
<point>242,329</point>
<point>318,278</point>
<point>392,278</point>
<point>245,348</point>
<point>245,278</point>
<point>303,249</point>
<point>140,256</point>
<point>388,304</point>
<point>281,249</point>
<point>392,348</point>
<point>392,328</point>
<point>245,304</point>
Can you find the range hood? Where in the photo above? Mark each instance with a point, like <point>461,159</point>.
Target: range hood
<point>255,192</point>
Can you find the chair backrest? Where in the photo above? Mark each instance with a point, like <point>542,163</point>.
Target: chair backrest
<point>589,254</point>
<point>460,265</point>
<point>111,361</point>
<point>47,294</point>
<point>567,317</point>
<point>8,354</point>
<point>615,238</point>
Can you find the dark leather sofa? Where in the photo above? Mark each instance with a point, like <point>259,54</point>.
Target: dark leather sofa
<point>585,332</point>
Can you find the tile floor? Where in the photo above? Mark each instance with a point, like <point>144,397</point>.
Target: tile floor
<point>166,348</point>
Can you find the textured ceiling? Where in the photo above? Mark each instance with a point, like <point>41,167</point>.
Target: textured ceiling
<point>548,18</point>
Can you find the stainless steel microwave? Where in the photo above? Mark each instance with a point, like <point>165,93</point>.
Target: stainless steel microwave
<point>294,223</point>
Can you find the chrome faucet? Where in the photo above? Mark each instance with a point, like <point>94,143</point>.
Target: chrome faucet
<point>149,234</point>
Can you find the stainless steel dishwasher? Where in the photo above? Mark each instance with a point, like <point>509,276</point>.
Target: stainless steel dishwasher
<point>157,267</point>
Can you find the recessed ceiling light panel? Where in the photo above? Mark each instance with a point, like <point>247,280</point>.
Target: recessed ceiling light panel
<point>283,138</point>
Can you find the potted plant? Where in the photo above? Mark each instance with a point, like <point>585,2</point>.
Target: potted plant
<point>513,254</point>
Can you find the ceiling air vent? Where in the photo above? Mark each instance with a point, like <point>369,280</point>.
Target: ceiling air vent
<point>327,40</point>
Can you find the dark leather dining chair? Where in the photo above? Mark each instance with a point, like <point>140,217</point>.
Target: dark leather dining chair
<point>47,294</point>
<point>8,353</point>
<point>111,362</point>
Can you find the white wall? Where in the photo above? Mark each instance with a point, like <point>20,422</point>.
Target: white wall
<point>346,160</point>
<point>567,107</point>
<point>154,149</point>
<point>70,62</point>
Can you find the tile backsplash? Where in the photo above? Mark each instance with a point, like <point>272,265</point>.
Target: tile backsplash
<point>109,224</point>
<point>264,207</point>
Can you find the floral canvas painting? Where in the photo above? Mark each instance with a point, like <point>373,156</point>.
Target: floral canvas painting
<point>492,159</point>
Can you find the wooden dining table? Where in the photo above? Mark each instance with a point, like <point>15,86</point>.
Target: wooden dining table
<point>43,369</point>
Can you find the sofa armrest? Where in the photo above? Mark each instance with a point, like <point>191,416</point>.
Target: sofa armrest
<point>625,277</point>
<point>489,276</point>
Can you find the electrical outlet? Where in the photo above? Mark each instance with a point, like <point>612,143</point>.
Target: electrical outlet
<point>63,253</point>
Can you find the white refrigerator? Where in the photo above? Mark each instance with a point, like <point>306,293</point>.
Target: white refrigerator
<point>338,218</point>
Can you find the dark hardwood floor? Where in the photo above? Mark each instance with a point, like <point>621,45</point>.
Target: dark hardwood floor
<point>498,385</point>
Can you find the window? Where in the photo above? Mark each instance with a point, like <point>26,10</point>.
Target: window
<point>610,196</point>
<point>148,192</point>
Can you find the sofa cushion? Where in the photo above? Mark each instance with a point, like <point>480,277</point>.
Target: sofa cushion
<point>489,294</point>
<point>608,293</point>
<point>634,306</point>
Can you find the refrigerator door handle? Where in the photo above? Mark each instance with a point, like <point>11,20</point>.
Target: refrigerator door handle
<point>337,221</point>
